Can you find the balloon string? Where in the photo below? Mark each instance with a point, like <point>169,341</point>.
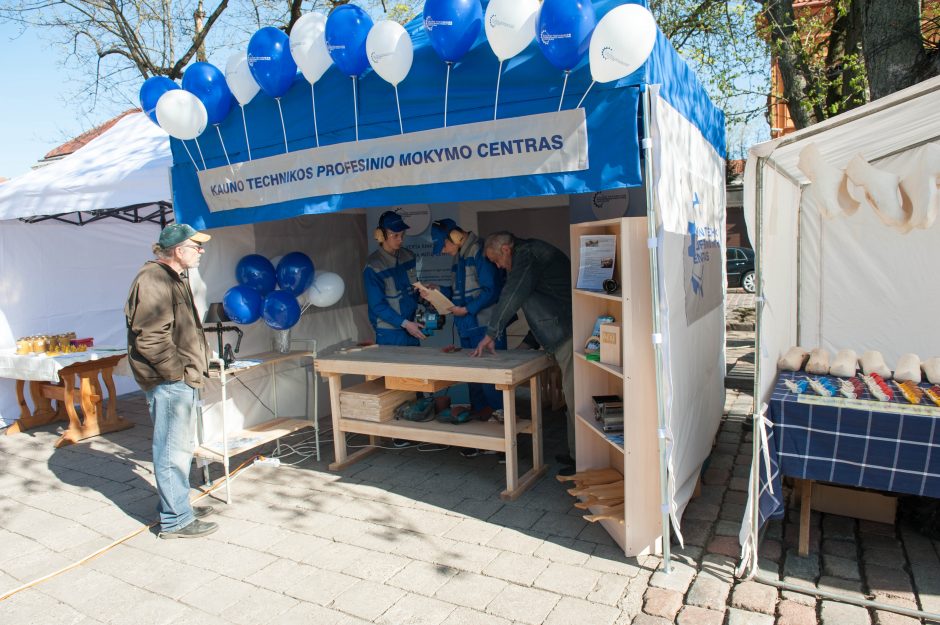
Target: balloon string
<point>283,127</point>
<point>499,75</point>
<point>224,151</point>
<point>245,126</point>
<point>190,155</point>
<point>313,99</point>
<point>563,87</point>
<point>201,157</point>
<point>585,94</point>
<point>398,104</point>
<point>355,108</point>
<point>446,91</point>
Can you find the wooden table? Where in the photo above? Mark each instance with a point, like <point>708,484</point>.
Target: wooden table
<point>420,368</point>
<point>94,419</point>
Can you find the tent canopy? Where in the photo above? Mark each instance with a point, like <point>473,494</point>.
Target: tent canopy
<point>529,85</point>
<point>126,166</point>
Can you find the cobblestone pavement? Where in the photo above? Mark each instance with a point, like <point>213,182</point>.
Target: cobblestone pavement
<point>411,537</point>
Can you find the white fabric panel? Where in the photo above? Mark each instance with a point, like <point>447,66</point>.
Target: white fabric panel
<point>78,282</point>
<point>126,165</point>
<point>869,289</point>
<point>688,189</point>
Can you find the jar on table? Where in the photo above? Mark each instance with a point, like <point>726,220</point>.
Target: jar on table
<point>39,344</point>
<point>23,346</point>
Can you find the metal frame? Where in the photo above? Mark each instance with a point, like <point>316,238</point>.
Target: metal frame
<point>160,213</point>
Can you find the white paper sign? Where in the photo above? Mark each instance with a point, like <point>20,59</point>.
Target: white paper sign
<point>520,146</point>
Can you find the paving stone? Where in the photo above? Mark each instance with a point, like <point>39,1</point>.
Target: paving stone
<point>367,599</point>
<point>527,605</point>
<point>719,566</point>
<point>754,597</point>
<point>724,545</point>
<point>611,560</point>
<point>874,527</point>
<point>771,550</point>
<point>838,527</point>
<point>678,579</point>
<point>841,548</point>
<point>709,592</point>
<point>609,589</point>
<point>883,617</point>
<point>471,590</point>
<point>571,611</point>
<point>849,587</point>
<point>881,541</point>
<point>422,577</point>
<point>646,619</point>
<point>690,554</point>
<point>566,550</point>
<point>891,557</point>
<point>802,567</point>
<point>564,579</point>
<point>840,567</point>
<point>701,511</point>
<point>738,484</point>
<point>514,567</point>
<point>691,615</point>
<point>793,613</point>
<point>416,610</point>
<point>466,616</point>
<point>743,617</point>
<point>716,476</point>
<point>732,512</point>
<point>305,614</point>
<point>662,602</point>
<point>834,613</point>
<point>888,581</point>
<point>798,597</point>
<point>720,461</point>
<point>792,536</point>
<point>696,532</point>
<point>728,528</point>
<point>516,516</point>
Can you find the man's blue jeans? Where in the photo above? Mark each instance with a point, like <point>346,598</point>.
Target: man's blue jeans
<point>173,412</point>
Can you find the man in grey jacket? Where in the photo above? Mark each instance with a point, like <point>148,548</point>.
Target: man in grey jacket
<point>167,352</point>
<point>538,281</point>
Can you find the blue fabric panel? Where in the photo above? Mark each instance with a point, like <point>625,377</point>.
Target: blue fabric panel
<point>529,85</point>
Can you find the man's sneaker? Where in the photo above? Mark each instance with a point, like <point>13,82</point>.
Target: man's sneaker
<point>469,452</point>
<point>401,443</point>
<point>194,530</point>
<point>202,511</point>
<point>567,470</point>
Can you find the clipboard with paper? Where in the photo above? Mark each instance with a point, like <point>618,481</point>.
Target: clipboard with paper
<point>441,302</point>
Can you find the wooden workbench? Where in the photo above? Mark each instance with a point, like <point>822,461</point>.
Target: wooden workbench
<point>429,367</point>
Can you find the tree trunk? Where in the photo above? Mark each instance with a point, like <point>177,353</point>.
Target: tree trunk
<point>892,44</point>
<point>793,71</point>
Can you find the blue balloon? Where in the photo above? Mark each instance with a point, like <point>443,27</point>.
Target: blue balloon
<point>256,272</point>
<point>295,273</point>
<point>452,26</point>
<point>242,304</point>
<point>150,92</point>
<point>564,31</point>
<point>270,61</point>
<point>207,83</point>
<point>346,30</point>
<point>281,310</point>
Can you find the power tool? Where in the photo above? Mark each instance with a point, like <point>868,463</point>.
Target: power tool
<point>431,319</point>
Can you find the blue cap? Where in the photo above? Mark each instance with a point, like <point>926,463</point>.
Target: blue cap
<point>392,221</point>
<point>440,229</point>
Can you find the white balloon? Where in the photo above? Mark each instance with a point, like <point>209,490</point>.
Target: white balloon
<point>390,51</point>
<point>326,290</point>
<point>510,26</point>
<point>240,81</point>
<point>621,43</point>
<point>181,114</point>
<point>308,46</point>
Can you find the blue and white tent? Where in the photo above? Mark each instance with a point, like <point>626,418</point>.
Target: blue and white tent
<point>656,129</point>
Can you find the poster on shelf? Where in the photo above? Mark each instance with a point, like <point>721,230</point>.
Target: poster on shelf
<point>598,253</point>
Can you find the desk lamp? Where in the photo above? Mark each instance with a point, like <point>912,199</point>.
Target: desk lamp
<point>216,315</point>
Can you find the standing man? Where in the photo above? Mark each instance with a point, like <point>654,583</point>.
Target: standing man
<point>390,271</point>
<point>474,289</point>
<point>539,282</point>
<point>167,352</point>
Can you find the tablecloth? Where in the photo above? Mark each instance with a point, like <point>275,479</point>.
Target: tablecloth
<point>43,368</point>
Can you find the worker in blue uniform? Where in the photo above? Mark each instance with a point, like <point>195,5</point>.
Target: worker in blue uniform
<point>474,289</point>
<point>389,274</point>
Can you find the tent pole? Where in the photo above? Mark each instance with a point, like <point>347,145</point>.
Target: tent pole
<point>759,309</point>
<point>652,227</point>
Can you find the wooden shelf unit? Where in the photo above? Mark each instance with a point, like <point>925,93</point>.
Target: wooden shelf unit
<point>638,459</point>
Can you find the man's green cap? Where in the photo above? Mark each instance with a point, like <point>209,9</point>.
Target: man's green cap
<point>174,234</point>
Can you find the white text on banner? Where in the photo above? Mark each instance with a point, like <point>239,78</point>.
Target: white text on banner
<point>521,146</point>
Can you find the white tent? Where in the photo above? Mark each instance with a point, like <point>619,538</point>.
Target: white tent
<point>57,277</point>
<point>843,216</point>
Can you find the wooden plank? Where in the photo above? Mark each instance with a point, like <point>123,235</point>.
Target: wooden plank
<point>260,434</point>
<point>339,441</point>
<point>512,449</point>
<point>504,367</point>
<point>593,476</point>
<point>531,477</point>
<point>353,458</point>
<point>372,401</point>
<point>423,385</point>
<point>478,434</point>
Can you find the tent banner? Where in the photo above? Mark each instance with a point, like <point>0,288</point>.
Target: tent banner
<point>521,146</point>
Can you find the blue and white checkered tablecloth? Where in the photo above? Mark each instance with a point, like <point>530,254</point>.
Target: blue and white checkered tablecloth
<point>890,446</point>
